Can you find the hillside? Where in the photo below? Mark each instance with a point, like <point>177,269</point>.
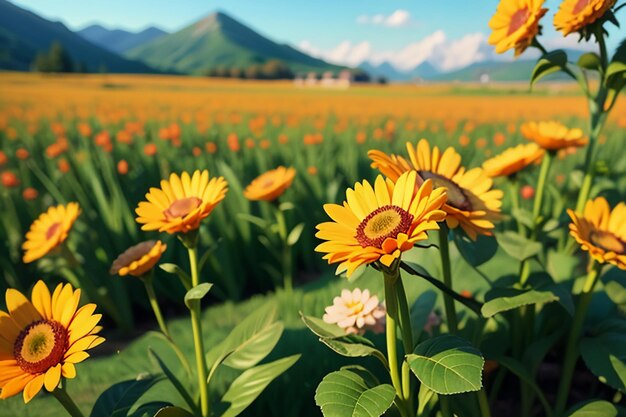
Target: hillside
<point>220,41</point>
<point>23,34</point>
<point>118,40</point>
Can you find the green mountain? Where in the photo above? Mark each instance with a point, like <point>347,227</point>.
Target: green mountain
<point>220,41</point>
<point>23,34</point>
<point>119,40</point>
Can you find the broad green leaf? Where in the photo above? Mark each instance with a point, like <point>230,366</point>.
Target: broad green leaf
<point>251,383</point>
<point>505,299</point>
<point>353,347</point>
<point>173,412</point>
<point>590,61</point>
<point>197,293</point>
<point>518,247</point>
<point>561,266</point>
<point>523,374</point>
<point>448,365</point>
<point>173,379</point>
<point>118,399</point>
<point>176,270</point>
<point>321,328</point>
<point>593,409</point>
<point>478,252</point>
<point>420,311</point>
<point>149,409</point>
<point>255,323</point>
<point>524,216</point>
<point>352,393</point>
<point>605,356</point>
<point>256,348</point>
<point>615,286</point>
<point>294,235</point>
<point>424,399</point>
<point>549,63</point>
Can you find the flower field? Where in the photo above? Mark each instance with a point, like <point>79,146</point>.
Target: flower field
<point>190,222</point>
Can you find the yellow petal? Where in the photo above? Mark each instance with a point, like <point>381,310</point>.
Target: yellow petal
<point>32,388</point>
<point>15,385</point>
<point>52,377</point>
<point>42,300</point>
<point>22,311</point>
<point>68,370</point>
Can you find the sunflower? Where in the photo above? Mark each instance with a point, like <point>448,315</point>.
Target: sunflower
<point>49,231</point>
<point>574,15</point>
<point>379,223</point>
<point>138,259</point>
<point>601,232</point>
<point>512,160</point>
<point>515,24</point>
<point>270,185</point>
<point>181,203</point>
<point>553,136</point>
<point>41,340</point>
<point>472,204</point>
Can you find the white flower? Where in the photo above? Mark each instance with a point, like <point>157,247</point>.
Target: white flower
<point>355,311</point>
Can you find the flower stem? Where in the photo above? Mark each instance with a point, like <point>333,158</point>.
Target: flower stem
<point>198,342</point>
<point>391,303</point>
<point>483,403</point>
<point>514,189</point>
<point>571,352</point>
<point>287,267</point>
<point>444,252</point>
<point>407,340</point>
<point>66,401</point>
<point>541,186</point>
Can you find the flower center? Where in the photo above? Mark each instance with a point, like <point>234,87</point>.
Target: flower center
<point>384,222</point>
<point>608,241</point>
<point>268,183</point>
<point>580,5</point>
<point>355,308</point>
<point>52,230</point>
<point>456,196</point>
<point>518,19</point>
<point>40,346</point>
<point>182,207</point>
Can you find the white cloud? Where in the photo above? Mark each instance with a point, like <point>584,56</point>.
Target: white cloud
<point>445,54</point>
<point>398,18</point>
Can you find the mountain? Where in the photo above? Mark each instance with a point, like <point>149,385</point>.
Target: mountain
<point>218,40</point>
<point>491,71</point>
<point>119,40</point>
<point>424,71</point>
<point>384,69</point>
<point>23,34</point>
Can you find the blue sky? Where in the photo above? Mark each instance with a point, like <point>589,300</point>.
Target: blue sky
<point>339,30</point>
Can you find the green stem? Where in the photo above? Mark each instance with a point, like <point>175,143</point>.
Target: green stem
<point>571,352</point>
<point>287,259</point>
<point>444,252</point>
<point>407,340</point>
<point>514,190</point>
<point>391,302</point>
<point>66,401</point>
<point>483,403</point>
<point>198,342</point>
<point>541,186</point>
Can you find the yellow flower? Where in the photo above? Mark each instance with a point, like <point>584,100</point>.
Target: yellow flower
<point>574,15</point>
<point>181,203</point>
<point>270,185</point>
<point>41,340</point>
<point>515,24</point>
<point>601,232</point>
<point>553,136</point>
<point>512,160</point>
<point>379,223</point>
<point>472,204</point>
<point>49,231</point>
<point>138,259</point>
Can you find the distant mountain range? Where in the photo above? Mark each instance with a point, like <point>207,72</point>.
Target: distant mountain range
<point>119,40</point>
<point>23,35</point>
<point>218,40</point>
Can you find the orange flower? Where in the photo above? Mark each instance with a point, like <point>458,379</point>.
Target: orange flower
<point>312,170</point>
<point>84,129</point>
<point>49,231</point>
<point>122,167</point>
<point>9,179</point>
<point>30,194</point>
<point>574,15</point>
<point>150,149</point>
<point>211,147</point>
<point>3,158</point>
<point>138,259</point>
<point>553,136</point>
<point>196,151</point>
<point>249,143</point>
<point>22,154</point>
<point>283,139</point>
<point>233,142</point>
<point>63,165</point>
<point>515,24</point>
<point>270,185</point>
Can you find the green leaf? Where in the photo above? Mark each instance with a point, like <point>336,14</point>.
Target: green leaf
<point>118,399</point>
<point>605,356</point>
<point>196,294</point>
<point>321,328</point>
<point>518,246</point>
<point>505,299</point>
<point>615,286</point>
<point>262,223</point>
<point>524,375</point>
<point>478,252</point>
<point>590,61</point>
<point>294,235</point>
<point>173,412</point>
<point>448,365</point>
<point>549,63</point>
<point>176,270</point>
<point>524,216</point>
<point>149,409</point>
<point>256,348</point>
<point>352,393</point>
<point>251,383</point>
<point>255,323</point>
<point>561,266</point>
<point>353,347</point>
<point>286,206</point>
<point>593,409</point>
<point>173,379</point>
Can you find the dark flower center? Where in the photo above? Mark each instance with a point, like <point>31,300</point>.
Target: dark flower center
<point>182,207</point>
<point>384,222</point>
<point>52,230</point>
<point>518,19</point>
<point>608,241</point>
<point>40,346</point>
<point>456,195</point>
